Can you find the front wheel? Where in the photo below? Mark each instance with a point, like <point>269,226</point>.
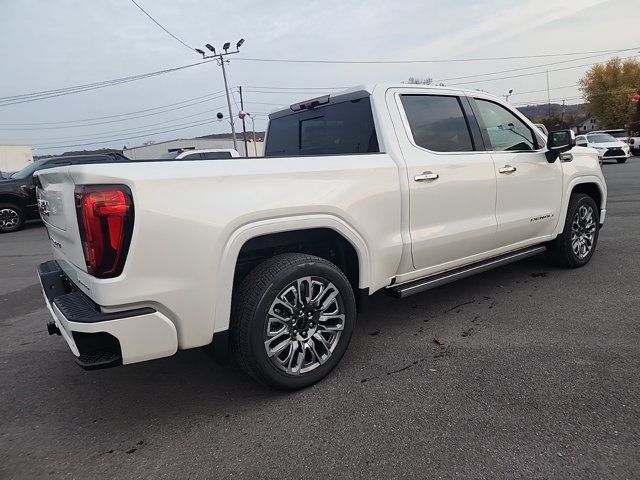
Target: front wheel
<point>11,218</point>
<point>292,319</point>
<point>575,246</point>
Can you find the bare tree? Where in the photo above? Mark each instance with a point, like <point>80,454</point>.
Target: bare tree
<point>423,81</point>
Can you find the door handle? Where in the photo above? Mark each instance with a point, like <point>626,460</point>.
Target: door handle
<point>426,176</point>
<point>507,169</point>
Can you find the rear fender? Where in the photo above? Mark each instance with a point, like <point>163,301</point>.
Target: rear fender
<point>224,283</point>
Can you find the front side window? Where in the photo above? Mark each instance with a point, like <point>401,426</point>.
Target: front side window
<point>505,130</point>
<point>437,123</point>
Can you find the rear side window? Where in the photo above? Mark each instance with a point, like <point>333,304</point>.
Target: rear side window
<point>437,123</point>
<point>505,130</point>
<point>214,155</point>
<point>207,156</point>
<point>340,128</point>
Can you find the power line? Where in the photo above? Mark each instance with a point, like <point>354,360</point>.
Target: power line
<point>297,88</point>
<point>122,139</point>
<point>107,133</point>
<point>159,25</point>
<point>450,60</point>
<point>34,96</point>
<point>118,120</point>
<point>521,68</point>
<point>532,73</point>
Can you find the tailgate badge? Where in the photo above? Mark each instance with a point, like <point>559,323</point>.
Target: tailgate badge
<point>43,207</point>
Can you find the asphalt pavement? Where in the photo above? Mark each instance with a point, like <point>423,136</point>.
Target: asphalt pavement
<point>537,377</point>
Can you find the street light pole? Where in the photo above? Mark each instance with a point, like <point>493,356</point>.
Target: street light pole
<point>226,87</point>
<point>244,125</point>
<point>220,59</point>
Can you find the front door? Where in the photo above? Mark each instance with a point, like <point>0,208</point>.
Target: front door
<point>529,187</point>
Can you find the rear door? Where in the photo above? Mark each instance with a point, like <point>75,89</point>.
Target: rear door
<point>529,191</point>
<point>452,181</point>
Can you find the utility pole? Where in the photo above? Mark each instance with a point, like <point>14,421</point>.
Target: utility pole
<point>244,125</point>
<point>562,117</point>
<point>221,61</point>
<point>548,94</point>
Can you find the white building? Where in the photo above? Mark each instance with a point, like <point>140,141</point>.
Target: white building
<point>155,150</point>
<point>14,157</point>
<point>587,125</point>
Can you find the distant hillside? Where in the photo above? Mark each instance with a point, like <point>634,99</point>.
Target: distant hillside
<point>80,152</point>
<point>536,112</point>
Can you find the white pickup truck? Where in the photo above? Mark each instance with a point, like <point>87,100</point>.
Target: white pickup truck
<point>384,187</point>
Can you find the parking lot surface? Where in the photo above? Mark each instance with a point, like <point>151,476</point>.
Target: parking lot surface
<point>537,377</point>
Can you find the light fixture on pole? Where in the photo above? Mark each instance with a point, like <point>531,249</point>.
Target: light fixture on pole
<point>508,94</point>
<point>221,61</point>
<point>242,114</point>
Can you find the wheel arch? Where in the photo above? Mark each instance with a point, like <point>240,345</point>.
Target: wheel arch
<point>589,185</point>
<point>226,278</point>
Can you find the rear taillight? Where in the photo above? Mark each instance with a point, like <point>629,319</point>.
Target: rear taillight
<point>105,219</point>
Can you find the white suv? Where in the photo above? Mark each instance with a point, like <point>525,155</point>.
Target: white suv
<point>607,146</point>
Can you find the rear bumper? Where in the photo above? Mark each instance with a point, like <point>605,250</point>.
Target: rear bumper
<point>103,339</point>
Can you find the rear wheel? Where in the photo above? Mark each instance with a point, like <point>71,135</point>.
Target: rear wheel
<point>11,218</point>
<point>577,243</point>
<point>292,320</point>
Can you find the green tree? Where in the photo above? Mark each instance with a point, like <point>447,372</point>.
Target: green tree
<point>608,90</point>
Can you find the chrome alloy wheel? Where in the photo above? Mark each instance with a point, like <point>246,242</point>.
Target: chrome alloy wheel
<point>304,325</point>
<point>9,218</point>
<point>583,230</point>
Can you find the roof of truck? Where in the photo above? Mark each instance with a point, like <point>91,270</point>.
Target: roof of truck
<point>358,91</point>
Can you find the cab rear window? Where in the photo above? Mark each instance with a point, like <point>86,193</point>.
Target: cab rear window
<point>339,129</point>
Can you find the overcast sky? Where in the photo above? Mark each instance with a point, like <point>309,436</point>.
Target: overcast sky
<point>46,45</point>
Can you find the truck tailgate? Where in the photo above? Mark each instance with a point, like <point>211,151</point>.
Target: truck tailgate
<point>56,202</point>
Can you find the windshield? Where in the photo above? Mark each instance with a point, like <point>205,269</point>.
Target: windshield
<point>27,171</point>
<point>620,134</point>
<point>600,138</point>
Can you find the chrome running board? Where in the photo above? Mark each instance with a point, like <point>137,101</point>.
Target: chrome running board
<point>422,284</point>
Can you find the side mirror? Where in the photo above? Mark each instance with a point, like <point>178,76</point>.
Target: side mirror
<point>558,142</point>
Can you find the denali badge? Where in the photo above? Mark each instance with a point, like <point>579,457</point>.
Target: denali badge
<point>541,217</point>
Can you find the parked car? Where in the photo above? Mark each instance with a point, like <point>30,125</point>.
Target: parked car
<point>634,142</point>
<point>399,188</point>
<point>607,146</point>
<point>205,154</point>
<point>617,133</point>
<point>18,201</point>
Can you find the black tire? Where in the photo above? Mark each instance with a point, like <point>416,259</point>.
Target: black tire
<point>11,218</point>
<point>250,324</point>
<point>635,152</point>
<point>621,160</point>
<point>560,251</point>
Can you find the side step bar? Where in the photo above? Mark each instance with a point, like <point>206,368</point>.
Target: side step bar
<point>420,285</point>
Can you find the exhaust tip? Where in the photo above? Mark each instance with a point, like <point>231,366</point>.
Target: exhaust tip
<point>53,329</point>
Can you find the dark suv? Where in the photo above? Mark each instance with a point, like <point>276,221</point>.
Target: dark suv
<point>18,200</point>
